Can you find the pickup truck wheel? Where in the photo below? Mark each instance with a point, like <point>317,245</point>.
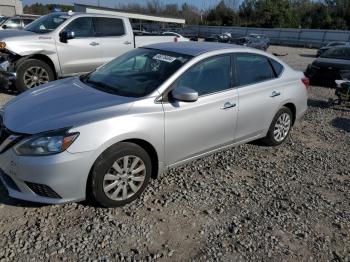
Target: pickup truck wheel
<point>120,175</point>
<point>280,128</point>
<point>32,73</point>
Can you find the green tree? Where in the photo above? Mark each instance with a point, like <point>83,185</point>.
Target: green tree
<point>221,15</point>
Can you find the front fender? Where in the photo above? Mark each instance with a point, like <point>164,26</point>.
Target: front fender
<point>99,136</point>
<point>25,46</point>
<point>43,45</point>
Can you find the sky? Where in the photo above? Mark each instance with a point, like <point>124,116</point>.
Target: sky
<point>201,4</point>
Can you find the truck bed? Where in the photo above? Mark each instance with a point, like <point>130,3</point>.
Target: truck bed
<point>152,39</point>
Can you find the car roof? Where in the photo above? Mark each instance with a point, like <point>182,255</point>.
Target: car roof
<point>82,14</point>
<point>192,48</point>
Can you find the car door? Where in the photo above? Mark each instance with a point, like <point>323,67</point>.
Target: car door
<point>192,129</point>
<point>113,36</point>
<point>260,94</point>
<point>81,54</point>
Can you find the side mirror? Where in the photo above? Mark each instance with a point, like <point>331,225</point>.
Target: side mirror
<point>66,35</point>
<point>184,94</point>
<point>4,26</point>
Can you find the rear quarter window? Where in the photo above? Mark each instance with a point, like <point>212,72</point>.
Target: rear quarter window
<point>277,67</point>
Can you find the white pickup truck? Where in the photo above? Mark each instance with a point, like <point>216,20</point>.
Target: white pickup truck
<point>65,44</point>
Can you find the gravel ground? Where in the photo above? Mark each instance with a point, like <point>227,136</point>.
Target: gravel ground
<point>251,203</point>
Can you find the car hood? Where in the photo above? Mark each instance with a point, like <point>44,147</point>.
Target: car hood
<point>9,33</point>
<point>61,104</point>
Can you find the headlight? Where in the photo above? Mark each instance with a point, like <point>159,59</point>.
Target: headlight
<point>45,144</point>
<point>2,45</point>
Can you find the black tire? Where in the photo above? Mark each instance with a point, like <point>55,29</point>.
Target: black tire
<point>103,165</point>
<point>26,65</point>
<point>270,139</point>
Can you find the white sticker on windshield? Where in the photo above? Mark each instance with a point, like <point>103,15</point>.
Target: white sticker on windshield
<point>165,58</point>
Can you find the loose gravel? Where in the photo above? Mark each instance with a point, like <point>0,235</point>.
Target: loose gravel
<point>250,203</point>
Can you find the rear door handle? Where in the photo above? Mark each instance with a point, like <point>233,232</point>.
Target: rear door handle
<point>275,93</point>
<point>228,105</point>
<point>127,43</point>
<point>94,44</point>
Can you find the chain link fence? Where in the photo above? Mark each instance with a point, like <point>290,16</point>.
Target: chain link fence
<point>278,36</point>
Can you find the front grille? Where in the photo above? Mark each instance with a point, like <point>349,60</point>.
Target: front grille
<point>42,190</point>
<point>9,182</point>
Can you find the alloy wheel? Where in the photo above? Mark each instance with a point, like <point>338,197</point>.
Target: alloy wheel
<point>35,76</point>
<point>125,178</point>
<point>282,127</point>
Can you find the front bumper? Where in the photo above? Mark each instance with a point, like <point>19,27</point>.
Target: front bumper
<point>52,179</point>
<point>6,76</point>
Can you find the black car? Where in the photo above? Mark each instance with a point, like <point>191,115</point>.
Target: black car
<point>223,38</point>
<point>329,46</point>
<point>253,42</point>
<point>331,65</point>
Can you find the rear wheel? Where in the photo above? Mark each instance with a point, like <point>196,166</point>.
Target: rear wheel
<point>280,128</point>
<point>120,175</point>
<point>32,73</point>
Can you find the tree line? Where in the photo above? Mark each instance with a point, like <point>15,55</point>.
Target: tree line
<point>324,14</point>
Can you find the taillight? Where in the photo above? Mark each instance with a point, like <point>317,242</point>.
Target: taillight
<point>306,82</point>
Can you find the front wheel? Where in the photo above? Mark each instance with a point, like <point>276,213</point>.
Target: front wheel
<point>120,175</point>
<point>280,128</point>
<point>32,73</point>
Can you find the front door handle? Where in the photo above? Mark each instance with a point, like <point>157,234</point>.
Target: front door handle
<point>94,44</point>
<point>275,93</point>
<point>228,105</point>
<point>127,43</point>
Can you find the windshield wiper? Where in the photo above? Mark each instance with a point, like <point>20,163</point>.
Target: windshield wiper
<point>101,86</point>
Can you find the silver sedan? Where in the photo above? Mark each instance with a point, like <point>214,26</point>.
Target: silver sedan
<point>107,133</point>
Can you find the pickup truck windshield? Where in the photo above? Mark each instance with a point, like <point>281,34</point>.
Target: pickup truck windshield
<point>136,73</point>
<point>46,24</point>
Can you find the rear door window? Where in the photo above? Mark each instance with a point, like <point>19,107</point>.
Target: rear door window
<point>109,26</point>
<point>252,68</point>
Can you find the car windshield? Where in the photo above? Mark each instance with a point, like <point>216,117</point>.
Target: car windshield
<point>337,53</point>
<point>136,73</point>
<point>47,23</point>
